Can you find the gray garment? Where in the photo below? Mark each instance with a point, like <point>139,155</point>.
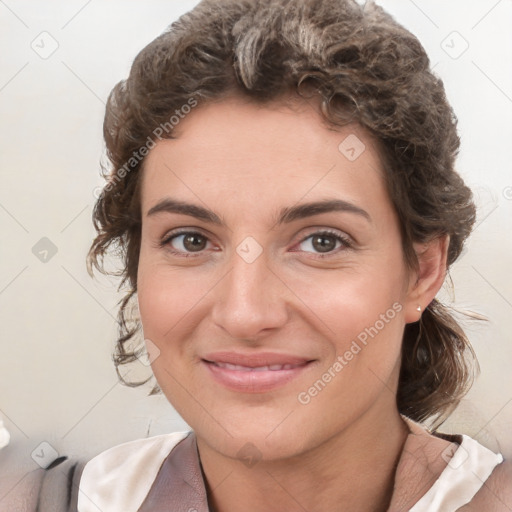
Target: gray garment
<point>180,482</point>
<point>54,489</point>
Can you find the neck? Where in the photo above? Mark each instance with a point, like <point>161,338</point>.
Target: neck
<point>353,470</point>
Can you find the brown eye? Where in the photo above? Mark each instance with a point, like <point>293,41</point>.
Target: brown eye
<point>324,243</point>
<point>186,242</point>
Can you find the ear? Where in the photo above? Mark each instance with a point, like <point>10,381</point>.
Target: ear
<point>428,279</point>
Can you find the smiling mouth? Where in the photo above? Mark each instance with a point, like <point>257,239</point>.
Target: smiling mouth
<point>255,376</point>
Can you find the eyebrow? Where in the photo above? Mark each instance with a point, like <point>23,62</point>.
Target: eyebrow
<point>286,215</point>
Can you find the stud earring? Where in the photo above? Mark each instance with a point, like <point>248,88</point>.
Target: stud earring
<point>418,309</point>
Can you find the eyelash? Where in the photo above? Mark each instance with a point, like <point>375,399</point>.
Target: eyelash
<point>345,242</point>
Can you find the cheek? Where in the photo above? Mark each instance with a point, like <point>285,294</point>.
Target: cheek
<point>366,331</point>
<point>166,296</point>
<point>366,322</point>
<point>350,299</point>
<point>361,313</point>
<point>167,304</point>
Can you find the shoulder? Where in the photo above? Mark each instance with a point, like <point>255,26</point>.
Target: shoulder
<point>53,489</point>
<point>495,495</point>
<point>120,477</point>
<point>22,493</point>
<point>450,472</point>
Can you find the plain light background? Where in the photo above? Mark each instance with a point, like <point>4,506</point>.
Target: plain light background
<point>57,325</point>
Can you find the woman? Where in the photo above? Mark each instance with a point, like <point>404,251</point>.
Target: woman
<point>283,195</point>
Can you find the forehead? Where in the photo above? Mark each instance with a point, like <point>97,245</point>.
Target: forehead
<point>261,154</point>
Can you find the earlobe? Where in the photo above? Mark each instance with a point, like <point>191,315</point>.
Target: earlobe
<point>427,281</point>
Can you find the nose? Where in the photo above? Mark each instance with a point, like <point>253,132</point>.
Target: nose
<point>250,300</point>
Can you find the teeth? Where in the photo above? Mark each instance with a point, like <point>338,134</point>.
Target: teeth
<point>272,367</point>
<point>261,369</point>
<point>230,366</point>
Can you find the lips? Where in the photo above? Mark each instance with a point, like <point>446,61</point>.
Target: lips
<point>254,373</point>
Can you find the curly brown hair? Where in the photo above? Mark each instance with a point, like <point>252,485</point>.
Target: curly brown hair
<point>363,67</point>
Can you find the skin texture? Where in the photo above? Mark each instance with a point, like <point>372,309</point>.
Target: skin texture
<point>245,162</point>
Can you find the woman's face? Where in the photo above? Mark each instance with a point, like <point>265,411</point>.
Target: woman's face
<point>271,321</point>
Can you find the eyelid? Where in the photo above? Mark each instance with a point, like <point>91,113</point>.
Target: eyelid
<point>183,231</point>
<point>318,230</point>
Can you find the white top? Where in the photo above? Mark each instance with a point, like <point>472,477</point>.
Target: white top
<point>120,478</point>
<point>466,472</point>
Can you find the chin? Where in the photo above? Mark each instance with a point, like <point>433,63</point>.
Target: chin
<point>263,438</point>
<point>256,446</point>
